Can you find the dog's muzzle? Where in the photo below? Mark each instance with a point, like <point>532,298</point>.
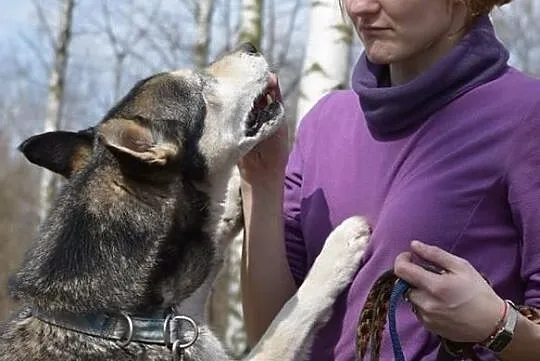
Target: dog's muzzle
<point>177,332</point>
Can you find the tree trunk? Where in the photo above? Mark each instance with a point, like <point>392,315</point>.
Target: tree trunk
<point>251,28</point>
<point>518,28</point>
<point>326,65</point>
<point>56,96</point>
<point>225,311</point>
<point>204,10</point>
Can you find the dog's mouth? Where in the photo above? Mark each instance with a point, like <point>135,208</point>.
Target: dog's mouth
<point>266,107</point>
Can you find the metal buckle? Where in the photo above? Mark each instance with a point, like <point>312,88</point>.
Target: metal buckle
<point>129,337</point>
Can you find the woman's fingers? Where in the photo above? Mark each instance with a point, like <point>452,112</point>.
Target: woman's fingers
<point>415,275</point>
<point>438,256</point>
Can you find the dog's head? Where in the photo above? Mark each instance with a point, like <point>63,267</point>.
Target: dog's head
<point>143,184</point>
<point>215,115</point>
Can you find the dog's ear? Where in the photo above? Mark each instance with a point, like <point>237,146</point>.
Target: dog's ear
<point>128,137</point>
<point>62,152</point>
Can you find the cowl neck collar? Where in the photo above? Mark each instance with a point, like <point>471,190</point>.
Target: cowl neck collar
<point>393,112</point>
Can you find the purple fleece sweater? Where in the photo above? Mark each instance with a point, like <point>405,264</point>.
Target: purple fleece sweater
<point>460,170</point>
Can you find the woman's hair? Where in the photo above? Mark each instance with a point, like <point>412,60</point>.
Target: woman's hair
<point>483,7</point>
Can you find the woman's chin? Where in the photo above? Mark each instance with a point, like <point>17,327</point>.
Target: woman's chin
<point>382,52</point>
<point>380,58</point>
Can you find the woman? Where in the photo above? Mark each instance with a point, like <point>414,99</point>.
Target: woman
<point>437,141</point>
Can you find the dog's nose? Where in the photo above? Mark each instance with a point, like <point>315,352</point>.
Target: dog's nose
<point>249,48</point>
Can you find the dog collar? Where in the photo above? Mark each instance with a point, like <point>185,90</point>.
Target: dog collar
<point>177,332</point>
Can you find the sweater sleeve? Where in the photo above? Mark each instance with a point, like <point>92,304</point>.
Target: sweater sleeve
<point>294,240</point>
<point>524,198</point>
<point>306,138</point>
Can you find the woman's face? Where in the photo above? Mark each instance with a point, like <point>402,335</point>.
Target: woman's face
<point>394,31</point>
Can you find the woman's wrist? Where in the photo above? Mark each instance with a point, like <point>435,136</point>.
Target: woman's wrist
<point>265,195</point>
<point>270,185</point>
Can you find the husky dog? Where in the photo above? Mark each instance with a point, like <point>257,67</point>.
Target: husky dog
<point>127,255</point>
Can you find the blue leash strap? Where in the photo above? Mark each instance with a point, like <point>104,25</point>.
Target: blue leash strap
<point>398,291</point>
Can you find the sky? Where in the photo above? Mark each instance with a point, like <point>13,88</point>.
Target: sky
<point>14,14</point>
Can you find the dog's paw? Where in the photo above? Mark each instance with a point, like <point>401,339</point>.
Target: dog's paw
<point>341,255</point>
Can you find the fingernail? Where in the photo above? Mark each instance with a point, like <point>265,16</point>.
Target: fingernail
<point>416,243</point>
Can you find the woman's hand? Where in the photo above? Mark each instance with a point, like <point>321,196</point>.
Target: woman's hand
<point>458,304</point>
<point>266,159</point>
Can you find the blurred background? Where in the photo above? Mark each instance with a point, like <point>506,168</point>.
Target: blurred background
<point>64,63</point>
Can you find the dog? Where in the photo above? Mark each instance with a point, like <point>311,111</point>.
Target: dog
<point>128,252</point>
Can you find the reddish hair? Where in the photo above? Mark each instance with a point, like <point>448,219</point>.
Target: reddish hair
<point>483,7</point>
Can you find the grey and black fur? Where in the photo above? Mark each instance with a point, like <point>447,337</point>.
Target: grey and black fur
<point>144,217</point>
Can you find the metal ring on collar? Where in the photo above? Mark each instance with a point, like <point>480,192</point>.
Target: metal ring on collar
<point>195,332</point>
<point>129,337</point>
<point>166,335</point>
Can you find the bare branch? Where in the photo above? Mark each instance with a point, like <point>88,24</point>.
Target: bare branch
<point>44,23</point>
<point>38,53</point>
<point>56,95</point>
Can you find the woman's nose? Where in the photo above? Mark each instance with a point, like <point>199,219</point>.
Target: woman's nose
<point>362,7</point>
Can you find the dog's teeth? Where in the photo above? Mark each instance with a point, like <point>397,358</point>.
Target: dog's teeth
<point>269,99</point>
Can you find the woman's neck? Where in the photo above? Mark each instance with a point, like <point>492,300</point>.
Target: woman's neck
<point>404,71</point>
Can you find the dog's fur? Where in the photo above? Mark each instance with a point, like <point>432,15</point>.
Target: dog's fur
<point>144,217</point>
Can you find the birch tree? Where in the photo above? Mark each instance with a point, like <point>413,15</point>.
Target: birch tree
<point>55,99</point>
<point>203,15</point>
<point>251,26</point>
<point>251,30</point>
<point>326,64</point>
<point>225,309</point>
<point>518,27</point>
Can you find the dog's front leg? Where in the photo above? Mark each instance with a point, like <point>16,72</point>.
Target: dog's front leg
<point>290,334</point>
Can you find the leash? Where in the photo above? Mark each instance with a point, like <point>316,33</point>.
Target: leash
<point>398,291</point>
